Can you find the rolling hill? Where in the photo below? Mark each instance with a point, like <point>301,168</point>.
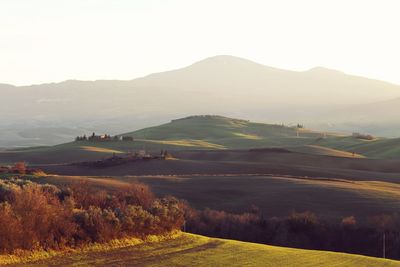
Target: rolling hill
<point>207,132</point>
<point>194,132</point>
<point>221,132</point>
<point>195,250</point>
<point>213,127</point>
<point>224,85</point>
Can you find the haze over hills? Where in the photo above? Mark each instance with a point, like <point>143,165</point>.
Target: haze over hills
<point>226,85</point>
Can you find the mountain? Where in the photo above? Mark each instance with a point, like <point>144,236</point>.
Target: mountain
<point>241,77</point>
<point>223,85</point>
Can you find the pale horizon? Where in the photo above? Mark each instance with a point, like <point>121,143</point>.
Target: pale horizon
<point>52,41</point>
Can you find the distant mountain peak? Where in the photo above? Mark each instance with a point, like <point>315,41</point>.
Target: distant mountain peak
<point>221,60</point>
<point>320,70</point>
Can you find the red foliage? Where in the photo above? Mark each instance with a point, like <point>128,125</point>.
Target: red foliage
<point>20,168</point>
<point>43,216</point>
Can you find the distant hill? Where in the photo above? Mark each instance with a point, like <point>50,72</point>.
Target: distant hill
<point>223,132</point>
<point>218,132</point>
<point>226,85</point>
<point>212,127</point>
<point>209,132</point>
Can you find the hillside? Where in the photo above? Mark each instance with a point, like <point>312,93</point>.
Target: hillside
<point>195,250</point>
<point>387,148</point>
<point>226,133</point>
<point>207,132</point>
<point>219,127</point>
<point>194,132</point>
<point>224,85</point>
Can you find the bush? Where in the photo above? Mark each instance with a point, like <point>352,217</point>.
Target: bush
<point>34,216</point>
<point>20,168</point>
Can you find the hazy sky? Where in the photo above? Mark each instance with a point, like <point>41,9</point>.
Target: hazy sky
<point>55,40</point>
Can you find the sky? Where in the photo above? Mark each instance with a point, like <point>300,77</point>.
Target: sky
<point>54,40</point>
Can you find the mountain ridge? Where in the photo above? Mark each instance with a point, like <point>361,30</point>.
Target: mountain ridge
<point>213,59</point>
<point>225,85</point>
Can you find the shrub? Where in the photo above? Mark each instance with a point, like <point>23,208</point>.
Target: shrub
<point>20,168</point>
<point>136,194</point>
<point>34,216</point>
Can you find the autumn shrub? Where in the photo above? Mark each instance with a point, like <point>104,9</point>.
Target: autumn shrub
<point>136,194</point>
<point>20,168</point>
<point>34,216</point>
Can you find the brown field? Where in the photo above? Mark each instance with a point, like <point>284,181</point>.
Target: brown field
<point>274,195</point>
<point>278,181</point>
<point>259,162</point>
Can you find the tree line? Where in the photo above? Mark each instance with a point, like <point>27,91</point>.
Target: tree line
<point>379,236</point>
<point>103,137</point>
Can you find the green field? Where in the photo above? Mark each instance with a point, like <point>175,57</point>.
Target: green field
<point>216,133</point>
<point>195,250</point>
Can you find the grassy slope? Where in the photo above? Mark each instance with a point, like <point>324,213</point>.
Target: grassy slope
<point>212,132</point>
<point>380,148</point>
<point>200,132</point>
<point>321,150</point>
<point>195,250</point>
<point>222,132</point>
<point>227,132</point>
<point>216,132</point>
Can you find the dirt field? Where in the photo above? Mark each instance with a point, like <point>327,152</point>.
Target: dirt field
<point>246,162</point>
<point>331,199</point>
<point>276,180</point>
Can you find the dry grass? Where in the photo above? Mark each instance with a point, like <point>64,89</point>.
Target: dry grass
<point>187,143</point>
<point>195,250</point>
<point>320,150</point>
<point>21,256</point>
<point>248,136</point>
<point>100,149</point>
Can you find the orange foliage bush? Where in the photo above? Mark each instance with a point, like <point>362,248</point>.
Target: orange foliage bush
<point>34,216</point>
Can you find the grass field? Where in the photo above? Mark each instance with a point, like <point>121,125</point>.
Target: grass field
<point>195,250</point>
<point>212,132</point>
